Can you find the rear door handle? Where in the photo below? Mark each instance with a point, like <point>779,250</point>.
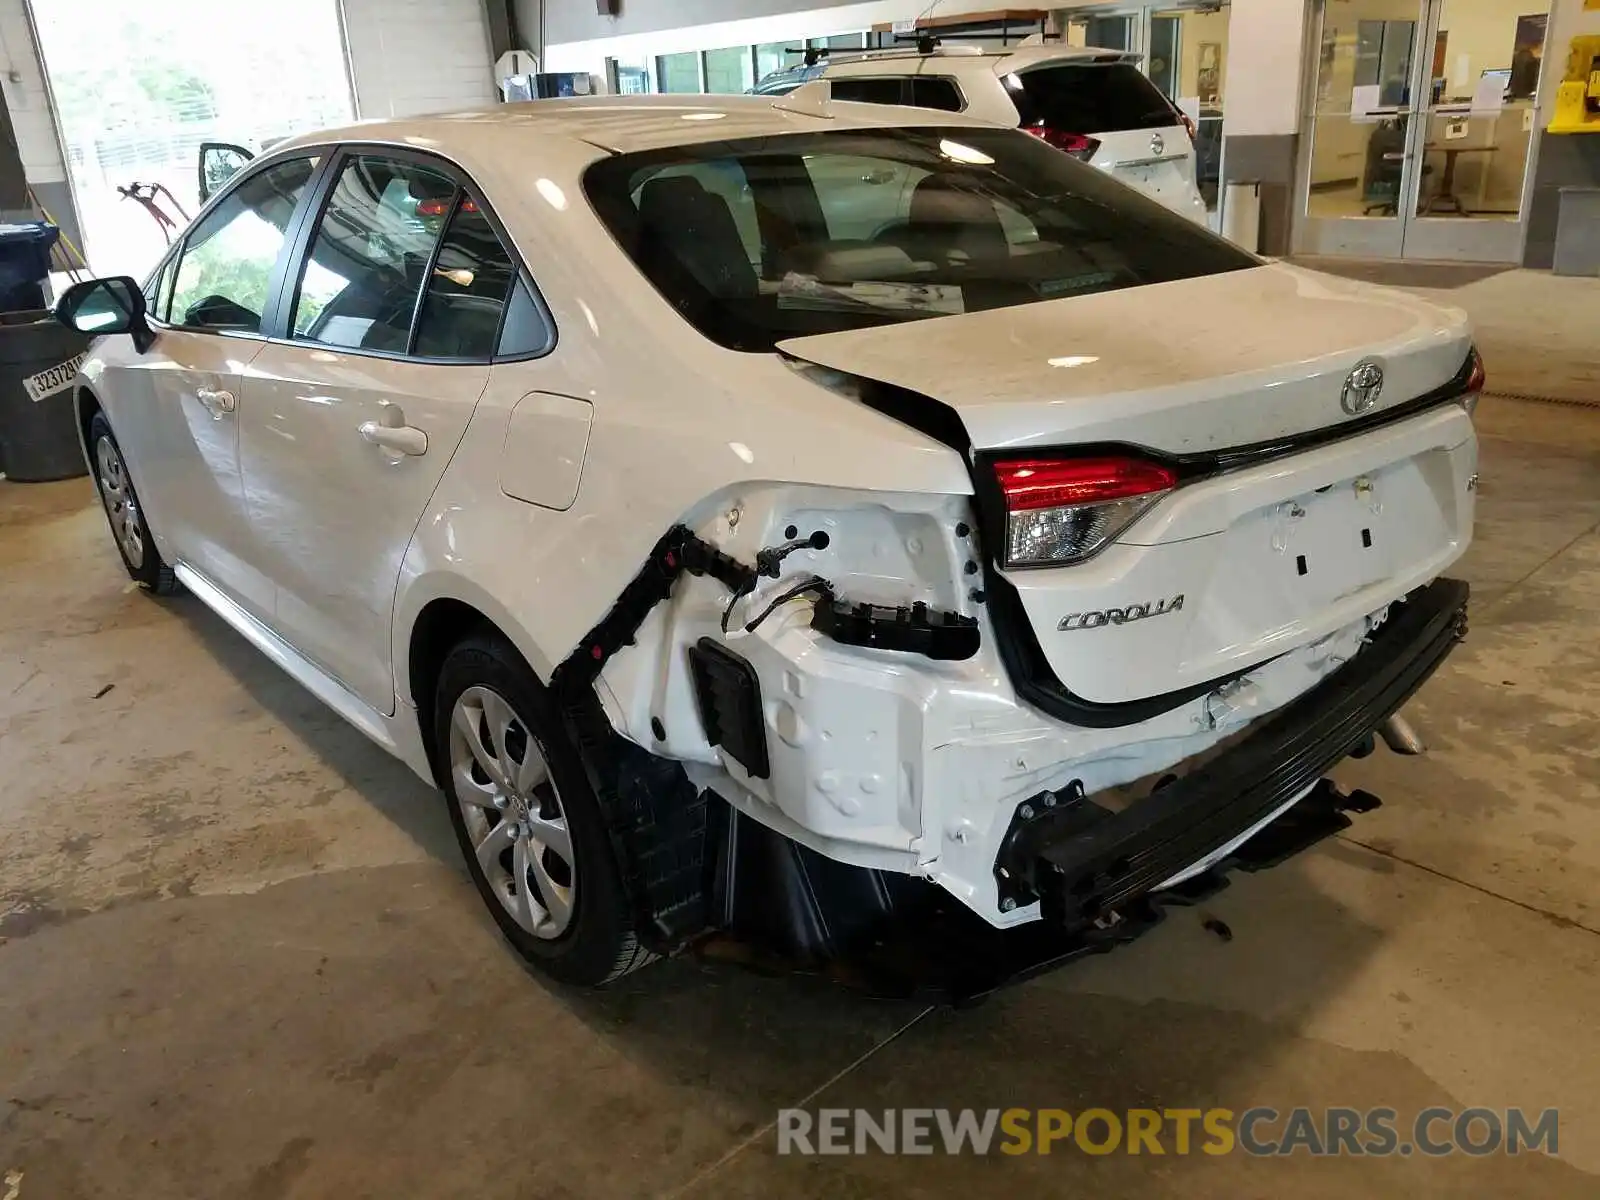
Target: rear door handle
<point>402,439</point>
<point>218,403</point>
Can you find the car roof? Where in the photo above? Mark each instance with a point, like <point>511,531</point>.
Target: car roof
<point>622,124</point>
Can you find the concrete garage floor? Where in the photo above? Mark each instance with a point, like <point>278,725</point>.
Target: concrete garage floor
<point>238,958</point>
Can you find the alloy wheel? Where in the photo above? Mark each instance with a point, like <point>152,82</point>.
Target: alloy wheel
<point>512,812</point>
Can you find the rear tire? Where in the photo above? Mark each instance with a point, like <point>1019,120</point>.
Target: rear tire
<point>129,528</point>
<point>529,825</point>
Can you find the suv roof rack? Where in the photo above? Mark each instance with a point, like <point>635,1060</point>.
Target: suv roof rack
<point>816,54</point>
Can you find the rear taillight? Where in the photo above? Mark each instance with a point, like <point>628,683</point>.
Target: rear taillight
<point>1475,382</point>
<point>1188,124</point>
<point>438,208</point>
<point>1079,145</point>
<point>1064,510</point>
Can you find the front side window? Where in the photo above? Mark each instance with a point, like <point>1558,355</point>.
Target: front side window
<point>363,272</point>
<point>467,290</point>
<point>229,258</point>
<point>154,289</point>
<point>861,227</point>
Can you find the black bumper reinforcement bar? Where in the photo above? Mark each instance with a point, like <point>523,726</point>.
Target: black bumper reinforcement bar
<point>1083,862</point>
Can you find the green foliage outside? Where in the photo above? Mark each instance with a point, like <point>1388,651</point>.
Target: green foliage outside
<point>213,271</point>
<point>148,95</point>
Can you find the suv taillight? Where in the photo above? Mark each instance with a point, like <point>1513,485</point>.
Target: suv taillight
<point>1079,145</point>
<point>1188,124</point>
<point>1475,383</point>
<point>1064,510</point>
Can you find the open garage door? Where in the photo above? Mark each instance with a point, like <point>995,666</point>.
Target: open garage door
<point>140,86</point>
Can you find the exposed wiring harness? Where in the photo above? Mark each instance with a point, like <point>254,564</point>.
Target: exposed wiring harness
<point>816,584</point>
<point>769,565</point>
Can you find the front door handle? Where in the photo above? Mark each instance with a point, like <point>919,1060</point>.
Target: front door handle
<point>402,439</point>
<point>218,403</point>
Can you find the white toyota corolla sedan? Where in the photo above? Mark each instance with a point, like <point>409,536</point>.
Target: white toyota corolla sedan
<point>744,546</point>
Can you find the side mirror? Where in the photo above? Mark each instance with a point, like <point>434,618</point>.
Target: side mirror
<point>103,306</point>
<point>219,162</point>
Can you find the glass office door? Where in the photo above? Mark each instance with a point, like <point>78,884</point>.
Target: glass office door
<point>1420,132</point>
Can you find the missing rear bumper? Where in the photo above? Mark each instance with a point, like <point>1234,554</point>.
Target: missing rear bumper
<point>1082,862</point>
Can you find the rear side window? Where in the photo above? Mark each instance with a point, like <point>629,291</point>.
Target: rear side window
<point>364,271</point>
<point>467,290</point>
<point>868,91</point>
<point>930,92</point>
<point>229,257</point>
<point>1090,98</point>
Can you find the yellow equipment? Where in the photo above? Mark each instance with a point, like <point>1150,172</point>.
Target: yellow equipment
<point>1578,98</point>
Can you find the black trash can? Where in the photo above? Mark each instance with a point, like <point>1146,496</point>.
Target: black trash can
<point>25,264</point>
<point>39,359</point>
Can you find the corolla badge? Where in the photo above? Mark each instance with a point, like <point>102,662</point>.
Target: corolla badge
<point>1120,616</point>
<point>1362,387</point>
<point>1158,144</point>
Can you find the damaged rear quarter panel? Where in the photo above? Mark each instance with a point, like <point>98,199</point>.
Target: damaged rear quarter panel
<point>683,431</point>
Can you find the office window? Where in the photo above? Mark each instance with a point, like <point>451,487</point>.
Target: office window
<point>729,71</point>
<point>679,73</point>
<point>628,77</point>
<point>776,56</point>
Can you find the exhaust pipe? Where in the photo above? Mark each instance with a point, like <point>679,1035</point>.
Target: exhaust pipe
<point>1398,735</point>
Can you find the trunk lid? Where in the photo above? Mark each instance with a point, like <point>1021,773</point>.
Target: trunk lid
<point>1208,363</point>
<point>1141,137</point>
<point>1158,162</point>
<point>1265,558</point>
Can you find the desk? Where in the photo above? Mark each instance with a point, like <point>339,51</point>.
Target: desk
<point>1446,196</point>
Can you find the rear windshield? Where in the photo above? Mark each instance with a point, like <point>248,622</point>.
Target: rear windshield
<point>1091,98</point>
<point>759,240</point>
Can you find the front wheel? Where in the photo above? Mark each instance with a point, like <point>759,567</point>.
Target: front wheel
<point>527,819</point>
<point>129,528</point>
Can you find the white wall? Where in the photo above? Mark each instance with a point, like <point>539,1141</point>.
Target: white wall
<point>26,100</point>
<point>418,56</point>
<point>1264,60</point>
<point>1477,39</point>
<point>578,21</point>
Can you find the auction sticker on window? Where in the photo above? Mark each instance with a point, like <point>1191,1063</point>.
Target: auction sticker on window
<point>54,379</point>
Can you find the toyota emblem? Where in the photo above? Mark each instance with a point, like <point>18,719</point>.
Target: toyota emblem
<point>1158,144</point>
<point>1362,387</point>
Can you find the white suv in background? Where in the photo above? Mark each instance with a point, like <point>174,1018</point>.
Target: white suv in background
<point>1096,105</point>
